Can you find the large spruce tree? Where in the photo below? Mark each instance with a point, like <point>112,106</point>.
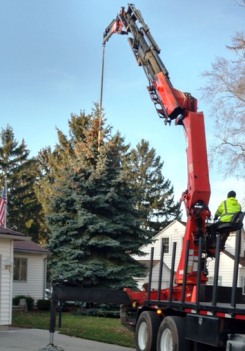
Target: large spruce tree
<point>20,172</point>
<point>94,224</point>
<point>155,194</point>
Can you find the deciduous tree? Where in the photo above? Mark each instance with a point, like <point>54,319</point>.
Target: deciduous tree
<point>225,92</point>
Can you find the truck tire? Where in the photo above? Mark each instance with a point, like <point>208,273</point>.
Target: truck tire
<point>171,335</point>
<point>146,331</point>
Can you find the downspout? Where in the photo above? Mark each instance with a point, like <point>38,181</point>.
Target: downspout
<point>45,261</point>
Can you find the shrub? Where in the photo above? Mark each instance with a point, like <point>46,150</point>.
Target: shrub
<point>43,305</point>
<point>29,301</point>
<point>102,310</point>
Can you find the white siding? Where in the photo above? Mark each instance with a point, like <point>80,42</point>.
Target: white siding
<point>34,286</point>
<point>226,264</point>
<point>6,253</point>
<point>155,275</point>
<point>175,232</point>
<point>241,279</point>
<point>243,243</point>
<point>165,277</point>
<point>226,267</point>
<point>231,244</point>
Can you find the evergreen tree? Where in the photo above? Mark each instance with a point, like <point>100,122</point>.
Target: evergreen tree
<point>82,139</point>
<point>100,201</point>
<point>20,172</point>
<point>94,224</point>
<point>154,193</point>
<point>83,129</point>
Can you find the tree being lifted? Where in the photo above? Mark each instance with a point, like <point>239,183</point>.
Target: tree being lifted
<point>92,211</point>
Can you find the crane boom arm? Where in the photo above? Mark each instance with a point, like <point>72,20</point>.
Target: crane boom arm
<point>172,104</point>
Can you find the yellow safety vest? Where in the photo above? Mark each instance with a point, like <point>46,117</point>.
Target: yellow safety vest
<point>227,209</point>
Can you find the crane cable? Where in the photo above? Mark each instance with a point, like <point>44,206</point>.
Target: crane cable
<point>100,136</point>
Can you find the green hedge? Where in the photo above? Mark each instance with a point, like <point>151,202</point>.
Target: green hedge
<point>101,311</point>
<point>43,305</point>
<point>29,301</point>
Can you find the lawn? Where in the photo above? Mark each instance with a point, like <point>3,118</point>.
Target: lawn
<point>108,330</point>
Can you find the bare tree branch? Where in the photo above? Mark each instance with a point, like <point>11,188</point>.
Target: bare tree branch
<point>225,92</point>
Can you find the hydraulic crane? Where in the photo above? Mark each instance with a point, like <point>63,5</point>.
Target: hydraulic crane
<point>173,105</point>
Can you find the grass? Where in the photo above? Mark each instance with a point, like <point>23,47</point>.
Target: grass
<point>107,330</point>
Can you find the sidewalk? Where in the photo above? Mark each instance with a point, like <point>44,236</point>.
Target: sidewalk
<point>14,339</point>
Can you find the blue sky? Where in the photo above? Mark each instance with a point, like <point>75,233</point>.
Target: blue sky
<point>51,54</point>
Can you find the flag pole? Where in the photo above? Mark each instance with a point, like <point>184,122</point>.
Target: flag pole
<point>3,206</point>
<point>6,202</point>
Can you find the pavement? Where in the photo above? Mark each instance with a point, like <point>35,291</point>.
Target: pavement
<point>18,339</point>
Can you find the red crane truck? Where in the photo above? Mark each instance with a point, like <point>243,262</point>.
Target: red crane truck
<point>189,315</point>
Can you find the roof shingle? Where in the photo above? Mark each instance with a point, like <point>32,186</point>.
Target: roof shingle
<point>29,246</point>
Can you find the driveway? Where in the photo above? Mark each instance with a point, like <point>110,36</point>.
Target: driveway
<point>14,339</point>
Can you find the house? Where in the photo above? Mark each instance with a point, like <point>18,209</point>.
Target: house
<point>174,233</point>
<point>7,238</point>
<point>22,270</point>
<point>30,269</point>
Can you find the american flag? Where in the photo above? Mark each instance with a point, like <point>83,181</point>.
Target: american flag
<point>3,208</point>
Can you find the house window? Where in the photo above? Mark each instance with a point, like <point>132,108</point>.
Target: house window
<point>20,269</point>
<point>211,280</point>
<point>165,242</point>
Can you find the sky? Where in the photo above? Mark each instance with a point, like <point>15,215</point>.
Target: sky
<point>51,59</point>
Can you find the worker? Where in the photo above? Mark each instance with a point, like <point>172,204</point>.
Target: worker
<point>227,208</point>
<point>224,214</point>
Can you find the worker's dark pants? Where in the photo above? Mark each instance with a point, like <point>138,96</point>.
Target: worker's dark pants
<point>212,228</point>
<point>213,231</point>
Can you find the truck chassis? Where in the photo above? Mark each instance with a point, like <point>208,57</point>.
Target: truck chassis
<point>207,317</point>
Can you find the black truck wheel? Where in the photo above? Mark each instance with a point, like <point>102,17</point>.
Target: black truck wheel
<point>146,331</point>
<point>171,335</point>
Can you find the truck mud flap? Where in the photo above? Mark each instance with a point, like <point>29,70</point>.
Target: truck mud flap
<point>204,329</point>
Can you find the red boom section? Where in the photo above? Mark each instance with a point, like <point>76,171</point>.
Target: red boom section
<point>171,98</point>
<point>197,163</point>
<point>197,196</point>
